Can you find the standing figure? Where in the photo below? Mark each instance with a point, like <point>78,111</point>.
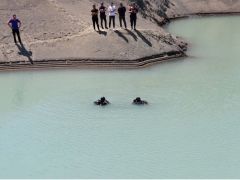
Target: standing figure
<point>133,15</point>
<point>122,12</point>
<point>95,17</point>
<point>15,25</point>
<point>103,17</point>
<point>112,14</point>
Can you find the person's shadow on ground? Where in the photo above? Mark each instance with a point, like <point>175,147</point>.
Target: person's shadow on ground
<point>121,35</point>
<point>143,38</point>
<point>101,32</point>
<point>24,52</point>
<point>132,34</point>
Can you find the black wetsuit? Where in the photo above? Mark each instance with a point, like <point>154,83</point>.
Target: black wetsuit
<point>101,102</point>
<point>122,12</point>
<point>95,18</point>
<point>103,16</point>
<point>138,101</point>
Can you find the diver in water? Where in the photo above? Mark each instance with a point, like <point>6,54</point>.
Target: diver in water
<point>102,102</point>
<point>138,101</point>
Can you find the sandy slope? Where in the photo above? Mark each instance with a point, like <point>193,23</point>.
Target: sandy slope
<point>186,7</point>
<point>61,30</point>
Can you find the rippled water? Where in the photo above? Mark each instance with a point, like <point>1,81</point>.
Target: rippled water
<point>49,127</point>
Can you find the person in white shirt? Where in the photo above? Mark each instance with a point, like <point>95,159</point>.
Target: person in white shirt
<point>112,13</point>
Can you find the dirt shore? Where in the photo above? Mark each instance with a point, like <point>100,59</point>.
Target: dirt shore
<point>58,33</point>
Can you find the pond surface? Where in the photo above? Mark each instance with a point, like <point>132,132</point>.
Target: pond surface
<point>49,127</point>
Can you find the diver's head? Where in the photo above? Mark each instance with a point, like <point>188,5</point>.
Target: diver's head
<point>138,99</point>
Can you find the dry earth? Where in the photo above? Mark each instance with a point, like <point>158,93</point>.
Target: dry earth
<point>60,32</point>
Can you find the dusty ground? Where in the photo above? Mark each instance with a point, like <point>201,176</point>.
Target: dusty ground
<point>61,30</point>
<point>186,7</point>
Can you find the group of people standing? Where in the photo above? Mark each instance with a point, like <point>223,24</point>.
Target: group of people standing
<point>112,12</point>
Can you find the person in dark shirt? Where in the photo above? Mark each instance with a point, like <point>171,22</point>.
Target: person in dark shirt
<point>122,12</point>
<point>15,25</point>
<point>95,17</point>
<point>133,10</point>
<point>103,16</point>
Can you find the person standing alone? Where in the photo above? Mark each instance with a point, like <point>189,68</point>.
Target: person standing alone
<point>133,15</point>
<point>102,10</point>
<point>112,14</point>
<point>121,13</point>
<point>94,12</point>
<point>15,25</point>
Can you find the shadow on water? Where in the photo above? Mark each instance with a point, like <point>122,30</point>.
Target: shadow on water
<point>121,35</point>
<point>132,34</point>
<point>143,38</point>
<point>24,52</point>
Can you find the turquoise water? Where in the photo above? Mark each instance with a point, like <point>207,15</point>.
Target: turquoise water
<point>49,127</point>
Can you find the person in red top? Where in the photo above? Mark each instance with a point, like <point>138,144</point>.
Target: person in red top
<point>94,12</point>
<point>133,10</point>
<point>15,25</point>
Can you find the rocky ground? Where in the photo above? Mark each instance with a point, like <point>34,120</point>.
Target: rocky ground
<point>190,7</point>
<point>60,32</point>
